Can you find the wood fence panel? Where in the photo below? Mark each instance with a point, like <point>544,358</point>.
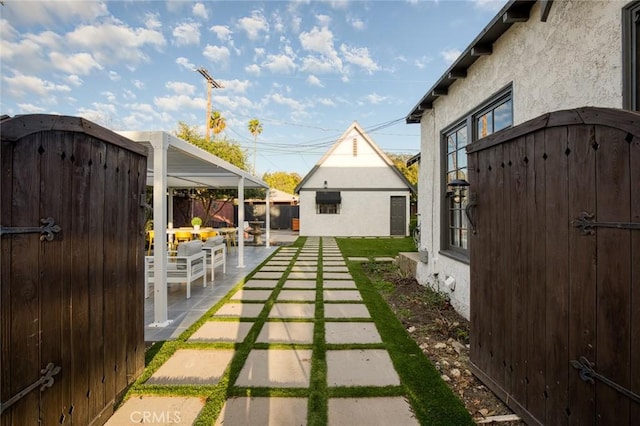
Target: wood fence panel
<point>6,191</point>
<point>634,175</point>
<point>582,272</point>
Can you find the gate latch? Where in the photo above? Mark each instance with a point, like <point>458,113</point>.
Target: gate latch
<point>45,381</point>
<point>588,374</point>
<point>46,230</point>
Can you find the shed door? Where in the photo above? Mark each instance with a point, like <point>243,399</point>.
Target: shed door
<point>398,215</point>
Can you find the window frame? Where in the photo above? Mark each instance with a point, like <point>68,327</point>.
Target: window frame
<point>469,120</point>
<point>631,56</point>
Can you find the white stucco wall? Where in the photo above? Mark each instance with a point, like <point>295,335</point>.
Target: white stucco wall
<point>572,60</point>
<point>366,184</point>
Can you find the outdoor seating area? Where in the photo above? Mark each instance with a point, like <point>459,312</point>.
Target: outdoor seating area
<point>185,265</point>
<point>175,236</point>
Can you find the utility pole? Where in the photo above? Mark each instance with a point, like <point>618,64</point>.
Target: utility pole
<point>211,83</point>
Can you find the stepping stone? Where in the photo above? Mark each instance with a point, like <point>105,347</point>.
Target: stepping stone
<point>368,367</point>
<point>326,269</point>
<point>336,276</point>
<point>385,259</point>
<point>339,284</point>
<point>346,310</point>
<point>261,284</point>
<point>341,295</point>
<point>293,310</point>
<point>278,263</point>
<point>193,367</point>
<point>286,332</point>
<point>287,368</point>
<point>359,259</point>
<point>387,410</point>
<point>271,268</point>
<point>310,268</point>
<point>297,295</point>
<point>300,284</point>
<point>303,263</point>
<point>174,409</point>
<point>242,310</point>
<point>263,411</point>
<point>333,263</point>
<point>351,332</point>
<point>268,275</point>
<point>222,331</point>
<point>302,275</point>
<point>258,295</point>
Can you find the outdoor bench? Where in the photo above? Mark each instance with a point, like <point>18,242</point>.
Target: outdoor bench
<point>188,264</point>
<point>215,254</point>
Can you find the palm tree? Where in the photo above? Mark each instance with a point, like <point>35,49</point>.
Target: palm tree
<point>255,127</point>
<point>217,122</point>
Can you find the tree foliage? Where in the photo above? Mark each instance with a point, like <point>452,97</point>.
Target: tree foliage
<point>410,173</point>
<point>284,181</point>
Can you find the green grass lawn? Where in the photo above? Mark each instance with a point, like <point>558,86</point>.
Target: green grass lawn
<point>375,247</point>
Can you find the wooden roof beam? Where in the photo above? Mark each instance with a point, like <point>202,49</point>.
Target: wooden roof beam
<point>545,8</point>
<point>481,50</point>
<point>440,91</point>
<point>513,16</point>
<point>456,74</point>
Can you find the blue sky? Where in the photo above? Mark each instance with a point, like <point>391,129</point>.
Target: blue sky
<point>305,69</point>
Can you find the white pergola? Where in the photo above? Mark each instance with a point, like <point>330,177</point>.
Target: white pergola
<point>175,163</point>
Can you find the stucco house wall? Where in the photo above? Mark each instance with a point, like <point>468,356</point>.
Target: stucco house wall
<point>572,60</point>
<point>366,180</point>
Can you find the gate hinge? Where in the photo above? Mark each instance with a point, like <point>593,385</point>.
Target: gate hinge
<point>45,381</point>
<point>46,230</point>
<point>588,374</point>
<point>586,223</point>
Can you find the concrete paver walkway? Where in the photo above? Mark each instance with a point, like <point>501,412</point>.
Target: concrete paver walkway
<point>293,329</point>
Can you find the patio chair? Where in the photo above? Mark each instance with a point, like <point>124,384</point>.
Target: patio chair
<point>185,267</point>
<point>182,236</point>
<point>215,254</point>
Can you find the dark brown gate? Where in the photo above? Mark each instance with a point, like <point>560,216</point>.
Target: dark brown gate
<point>75,301</point>
<point>555,266</point>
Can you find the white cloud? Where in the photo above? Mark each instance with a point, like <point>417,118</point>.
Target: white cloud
<point>30,109</point>
<point>128,95</point>
<point>49,13</point>
<point>359,56</point>
<point>20,85</point>
<point>114,76</point>
<point>254,25</point>
<point>237,86</point>
<point>184,62</point>
<point>111,43</point>
<point>216,53</point>
<point>356,23</point>
<point>152,21</point>
<point>318,40</point>
<point>422,62</point>
<point>179,103</point>
<point>490,5</point>
<point>233,103</point>
<point>326,102</point>
<point>200,10</point>
<point>374,98</point>
<point>283,100</point>
<point>74,79</point>
<point>138,84</point>
<point>222,32</point>
<point>253,69</point>
<point>314,81</point>
<point>339,4</point>
<point>80,63</point>
<point>101,114</point>
<point>259,52</point>
<point>320,65</point>
<point>279,64</point>
<point>180,87</point>
<point>186,33</point>
<point>323,20</point>
<point>296,22</point>
<point>111,97</point>
<point>450,55</point>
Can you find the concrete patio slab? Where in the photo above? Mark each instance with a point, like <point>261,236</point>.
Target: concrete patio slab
<point>261,284</point>
<point>339,284</point>
<point>293,310</point>
<point>329,268</point>
<point>241,310</point>
<point>302,275</point>
<point>268,275</point>
<point>367,367</point>
<point>351,332</point>
<point>337,276</point>
<point>341,295</point>
<point>277,263</point>
<point>276,368</point>
<point>222,331</point>
<point>308,284</point>
<point>390,410</point>
<point>358,259</point>
<point>303,263</point>
<point>297,295</point>
<point>257,295</point>
<point>157,409</point>
<point>193,367</point>
<point>274,268</point>
<point>310,268</point>
<point>286,332</point>
<point>263,411</point>
<point>326,262</point>
<point>346,310</point>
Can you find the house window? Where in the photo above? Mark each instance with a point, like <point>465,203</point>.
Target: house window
<point>631,56</point>
<point>328,202</point>
<point>493,115</point>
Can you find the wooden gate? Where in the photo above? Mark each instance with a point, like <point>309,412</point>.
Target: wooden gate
<point>554,211</point>
<point>74,301</point>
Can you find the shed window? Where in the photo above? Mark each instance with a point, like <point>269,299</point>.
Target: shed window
<point>328,202</point>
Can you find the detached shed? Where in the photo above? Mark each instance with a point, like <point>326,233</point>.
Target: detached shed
<point>354,190</point>
<point>72,305</point>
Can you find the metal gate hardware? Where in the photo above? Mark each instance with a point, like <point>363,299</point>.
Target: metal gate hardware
<point>587,373</point>
<point>472,203</point>
<point>586,224</point>
<point>47,229</point>
<point>46,380</point>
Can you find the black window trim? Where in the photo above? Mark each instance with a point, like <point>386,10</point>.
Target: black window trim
<point>630,65</point>
<point>467,119</point>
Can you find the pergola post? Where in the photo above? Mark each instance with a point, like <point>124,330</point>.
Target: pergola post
<point>241,222</point>
<point>268,216</point>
